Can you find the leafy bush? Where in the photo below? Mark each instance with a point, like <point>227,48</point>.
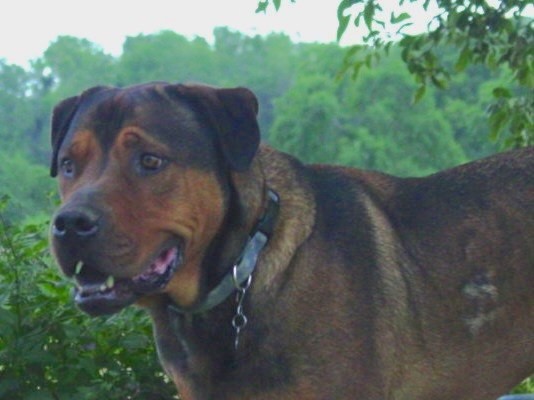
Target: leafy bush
<point>49,349</point>
<point>527,386</point>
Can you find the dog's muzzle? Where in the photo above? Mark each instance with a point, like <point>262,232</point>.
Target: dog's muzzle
<point>82,244</point>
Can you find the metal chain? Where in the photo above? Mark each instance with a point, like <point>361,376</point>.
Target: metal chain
<point>239,321</point>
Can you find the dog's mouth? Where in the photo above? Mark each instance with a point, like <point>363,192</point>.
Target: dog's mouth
<point>99,294</point>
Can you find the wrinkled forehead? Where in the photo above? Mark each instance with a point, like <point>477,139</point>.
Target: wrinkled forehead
<point>167,118</point>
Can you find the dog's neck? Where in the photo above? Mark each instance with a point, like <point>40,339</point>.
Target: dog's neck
<point>192,341</point>
<point>238,275</point>
<point>196,349</point>
<point>248,200</point>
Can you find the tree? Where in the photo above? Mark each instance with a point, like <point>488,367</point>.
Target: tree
<point>26,182</point>
<point>305,119</point>
<point>494,34</point>
<point>399,138</point>
<point>369,123</point>
<point>14,108</point>
<point>164,56</point>
<point>74,64</point>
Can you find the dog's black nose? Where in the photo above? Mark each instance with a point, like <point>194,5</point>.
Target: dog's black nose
<point>75,224</point>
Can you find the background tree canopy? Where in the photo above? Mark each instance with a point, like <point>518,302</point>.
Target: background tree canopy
<point>495,34</point>
<point>49,350</point>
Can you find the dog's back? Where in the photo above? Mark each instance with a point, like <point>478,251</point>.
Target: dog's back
<point>453,289</point>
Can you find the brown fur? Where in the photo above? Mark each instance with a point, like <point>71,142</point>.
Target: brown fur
<point>371,286</point>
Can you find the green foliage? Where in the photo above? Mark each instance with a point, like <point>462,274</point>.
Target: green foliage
<point>305,119</point>
<point>27,182</point>
<point>527,386</point>
<point>14,107</point>
<point>165,56</point>
<point>263,4</point>
<point>494,34</point>
<point>370,123</point>
<point>50,350</point>
<point>72,65</point>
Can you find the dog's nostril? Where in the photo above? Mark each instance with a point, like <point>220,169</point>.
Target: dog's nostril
<point>75,223</point>
<point>59,228</point>
<point>83,226</point>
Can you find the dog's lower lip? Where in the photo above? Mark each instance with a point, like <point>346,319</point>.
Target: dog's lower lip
<point>96,302</point>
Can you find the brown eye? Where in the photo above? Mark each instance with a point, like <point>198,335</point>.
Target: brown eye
<point>151,163</point>
<point>67,167</point>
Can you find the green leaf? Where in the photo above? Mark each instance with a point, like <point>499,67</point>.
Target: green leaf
<point>49,289</point>
<point>343,20</point>
<point>497,121</point>
<point>464,59</point>
<point>277,4</point>
<point>419,93</point>
<point>356,70</point>
<point>262,6</point>
<point>501,92</point>
<point>399,18</point>
<point>369,14</point>
<point>387,47</point>
<point>439,82</point>
<point>353,50</point>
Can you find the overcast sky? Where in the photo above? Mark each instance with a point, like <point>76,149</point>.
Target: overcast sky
<point>28,26</point>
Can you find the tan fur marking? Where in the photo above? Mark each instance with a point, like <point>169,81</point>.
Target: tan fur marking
<point>87,156</point>
<point>295,221</point>
<point>392,314</point>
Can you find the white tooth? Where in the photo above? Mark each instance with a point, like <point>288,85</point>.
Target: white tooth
<point>78,268</point>
<point>110,282</point>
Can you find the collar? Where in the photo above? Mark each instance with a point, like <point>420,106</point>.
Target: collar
<point>245,263</point>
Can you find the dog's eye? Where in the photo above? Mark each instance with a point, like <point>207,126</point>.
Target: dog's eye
<point>67,167</point>
<point>151,162</point>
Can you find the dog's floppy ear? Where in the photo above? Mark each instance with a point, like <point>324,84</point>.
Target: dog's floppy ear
<point>240,137</point>
<point>61,119</point>
<point>233,113</point>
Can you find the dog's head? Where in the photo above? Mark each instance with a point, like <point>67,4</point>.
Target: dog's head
<point>143,177</point>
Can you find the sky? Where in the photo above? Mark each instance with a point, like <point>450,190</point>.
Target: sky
<point>27,27</point>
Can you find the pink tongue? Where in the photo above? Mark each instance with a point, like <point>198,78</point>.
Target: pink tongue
<point>160,265</point>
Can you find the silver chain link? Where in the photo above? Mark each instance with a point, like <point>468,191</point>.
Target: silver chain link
<point>239,321</point>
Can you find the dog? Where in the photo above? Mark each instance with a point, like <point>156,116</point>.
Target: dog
<point>266,278</point>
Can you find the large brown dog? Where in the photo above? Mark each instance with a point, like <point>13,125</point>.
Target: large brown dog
<point>350,284</point>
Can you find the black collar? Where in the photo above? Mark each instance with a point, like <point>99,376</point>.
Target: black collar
<point>246,262</point>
